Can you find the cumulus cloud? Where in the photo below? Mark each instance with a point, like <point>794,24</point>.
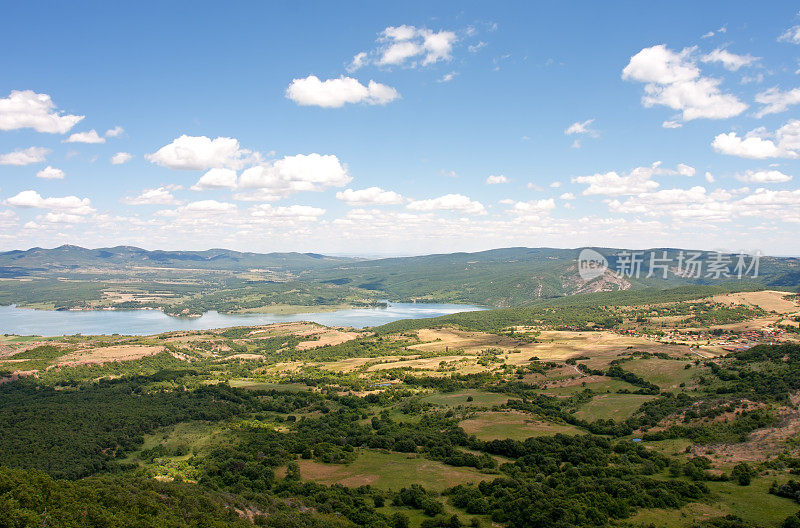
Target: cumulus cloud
<point>408,46</point>
<point>581,127</point>
<point>50,173</point>
<point>533,208</point>
<point>68,204</point>
<point>495,179</point>
<point>776,101</point>
<point>791,35</point>
<point>158,196</point>
<point>672,79</point>
<point>636,181</point>
<point>695,203</point>
<point>359,60</point>
<point>85,137</point>
<point>730,61</point>
<point>291,174</point>
<point>28,109</point>
<point>449,202</point>
<point>404,42</point>
<point>115,132</point>
<point>760,144</point>
<point>369,196</point>
<point>671,124</point>
<point>335,93</point>
<point>216,179</point>
<point>121,157</point>
<point>301,213</point>
<point>200,153</point>
<point>685,170</point>
<point>24,156</point>
<point>209,206</point>
<point>764,176</point>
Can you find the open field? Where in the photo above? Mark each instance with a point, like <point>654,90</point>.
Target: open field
<point>512,424</point>
<point>612,406</point>
<point>266,385</point>
<point>109,353</point>
<point>667,374</point>
<point>752,503</point>
<point>386,470</point>
<point>769,300</point>
<point>454,399</point>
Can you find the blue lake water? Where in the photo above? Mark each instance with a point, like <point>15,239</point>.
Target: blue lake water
<point>22,321</point>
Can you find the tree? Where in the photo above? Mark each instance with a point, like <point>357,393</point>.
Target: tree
<point>742,474</point>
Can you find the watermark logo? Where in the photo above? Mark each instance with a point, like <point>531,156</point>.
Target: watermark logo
<point>591,264</point>
<point>713,265</point>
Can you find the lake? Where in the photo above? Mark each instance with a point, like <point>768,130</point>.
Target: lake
<point>23,321</point>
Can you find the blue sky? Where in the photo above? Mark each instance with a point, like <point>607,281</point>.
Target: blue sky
<point>383,129</point>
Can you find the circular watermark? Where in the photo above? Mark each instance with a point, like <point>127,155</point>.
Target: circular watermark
<point>591,264</point>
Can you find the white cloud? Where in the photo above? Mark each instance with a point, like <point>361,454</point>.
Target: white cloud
<point>69,204</point>
<point>710,34</point>
<point>449,202</point>
<point>409,46</point>
<point>555,184</point>
<point>710,177</point>
<point>567,196</point>
<point>115,132</point>
<point>474,48</point>
<point>201,152</point>
<point>369,196</point>
<point>749,147</point>
<point>404,42</point>
<point>301,213</point>
<point>50,173</point>
<point>673,80</point>
<point>775,101</point>
<point>335,93</point>
<point>533,208</point>
<point>27,109</point>
<point>291,174</point>
<point>581,127</point>
<point>764,176</point>
<point>158,196</point>
<point>688,204</point>
<point>447,77</point>
<point>636,181</point>
<point>24,156</point>
<point>759,144</point>
<point>730,61</point>
<point>359,60</point>
<point>85,137</point>
<point>209,206</point>
<point>791,35</point>
<point>671,124</point>
<point>121,157</point>
<point>686,170</point>
<point>495,179</point>
<point>758,78</point>
<point>216,179</point>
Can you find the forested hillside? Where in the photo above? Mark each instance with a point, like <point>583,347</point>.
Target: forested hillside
<point>185,282</point>
<point>665,408</point>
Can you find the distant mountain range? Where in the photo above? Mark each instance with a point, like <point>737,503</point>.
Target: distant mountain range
<point>69,257</point>
<point>504,277</point>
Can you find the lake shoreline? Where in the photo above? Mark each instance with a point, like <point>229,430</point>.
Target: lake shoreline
<point>23,321</point>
